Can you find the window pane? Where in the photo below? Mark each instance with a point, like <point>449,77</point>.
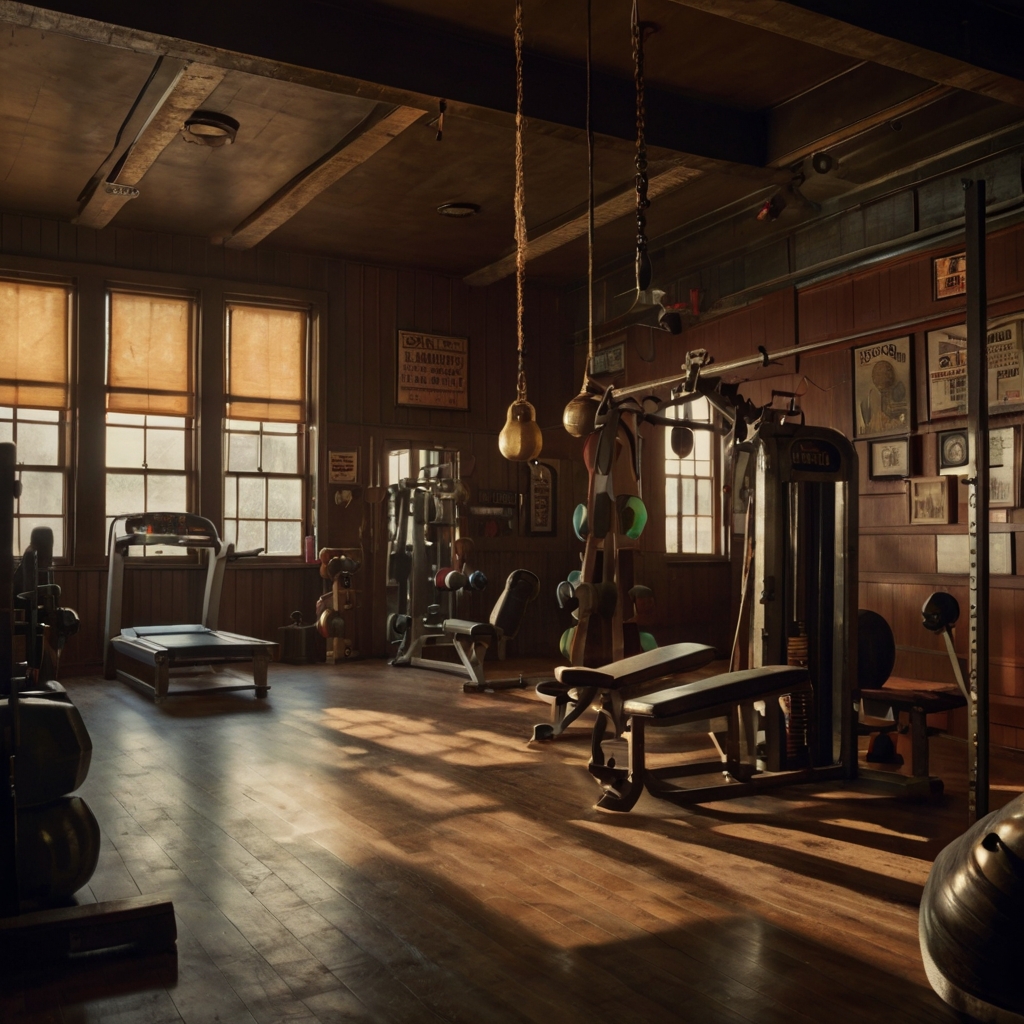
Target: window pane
<point>689,497</point>
<point>126,419</point>
<point>41,494</point>
<point>702,468</point>
<point>6,412</point>
<point>38,444</point>
<point>704,535</point>
<point>284,499</point>
<point>6,431</point>
<point>38,415</point>
<point>250,534</point>
<point>284,538</point>
<point>689,536</point>
<point>280,454</point>
<point>166,493</point>
<point>125,494</point>
<point>230,531</point>
<point>230,497</point>
<point>672,466</point>
<point>166,421</point>
<point>672,497</point>
<point>672,536</point>
<point>703,497</point>
<point>251,497</point>
<point>242,453</point>
<point>702,445</point>
<point>270,427</point>
<point>28,524</point>
<point>125,446</point>
<point>165,449</point>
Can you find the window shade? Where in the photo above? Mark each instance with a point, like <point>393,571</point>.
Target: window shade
<point>33,345</point>
<point>149,366</point>
<point>266,364</point>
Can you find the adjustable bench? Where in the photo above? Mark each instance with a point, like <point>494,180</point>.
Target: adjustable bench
<point>575,687</point>
<point>732,696</point>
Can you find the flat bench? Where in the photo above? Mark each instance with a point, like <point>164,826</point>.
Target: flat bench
<point>576,687</point>
<point>731,695</point>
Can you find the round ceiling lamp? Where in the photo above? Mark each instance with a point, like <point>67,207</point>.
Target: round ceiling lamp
<point>209,128</point>
<point>458,209</point>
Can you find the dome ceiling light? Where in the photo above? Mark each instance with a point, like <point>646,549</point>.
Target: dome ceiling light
<point>208,128</point>
<point>458,209</point>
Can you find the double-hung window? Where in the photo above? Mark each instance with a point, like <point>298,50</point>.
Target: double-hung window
<point>150,405</point>
<point>34,398</point>
<point>691,516</point>
<point>265,478</point>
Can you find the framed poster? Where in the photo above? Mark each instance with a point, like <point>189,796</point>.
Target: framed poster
<point>930,501</point>
<point>947,371</point>
<point>889,459</point>
<point>881,388</point>
<point>1005,367</point>
<point>433,371</point>
<point>543,505</point>
<point>343,466</point>
<point>1002,467</point>
<point>950,275</point>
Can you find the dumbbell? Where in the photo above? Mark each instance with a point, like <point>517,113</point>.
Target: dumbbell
<point>58,848</point>
<point>477,581</point>
<point>449,579</point>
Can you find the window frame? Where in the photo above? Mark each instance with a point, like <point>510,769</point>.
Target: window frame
<point>720,552</point>
<point>65,420</point>
<point>190,429</point>
<point>307,432</point>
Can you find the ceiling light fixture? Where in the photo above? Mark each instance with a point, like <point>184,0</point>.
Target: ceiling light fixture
<point>458,209</point>
<point>208,128</point>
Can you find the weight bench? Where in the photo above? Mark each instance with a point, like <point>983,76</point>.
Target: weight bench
<point>575,688</point>
<point>471,639</point>
<point>732,696</point>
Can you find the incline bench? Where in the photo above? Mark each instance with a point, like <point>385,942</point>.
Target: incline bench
<point>732,696</point>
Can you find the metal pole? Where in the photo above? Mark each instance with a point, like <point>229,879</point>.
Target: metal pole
<point>978,498</point>
<point>8,735</point>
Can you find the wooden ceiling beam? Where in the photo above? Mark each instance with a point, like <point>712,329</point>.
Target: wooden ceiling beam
<point>549,238</point>
<point>957,43</point>
<point>186,93</point>
<point>372,50</point>
<point>366,139</point>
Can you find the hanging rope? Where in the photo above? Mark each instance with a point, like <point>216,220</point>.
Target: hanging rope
<point>518,205</point>
<point>643,261</point>
<point>590,213</point>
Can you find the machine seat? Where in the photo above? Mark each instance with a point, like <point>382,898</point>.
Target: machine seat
<point>705,695</point>
<point>467,627</point>
<point>640,668</point>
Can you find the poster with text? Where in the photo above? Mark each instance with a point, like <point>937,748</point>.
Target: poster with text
<point>1005,368</point>
<point>433,371</point>
<point>881,388</point>
<point>947,371</point>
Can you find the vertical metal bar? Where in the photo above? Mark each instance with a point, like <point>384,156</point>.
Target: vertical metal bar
<point>977,516</point>
<point>8,802</point>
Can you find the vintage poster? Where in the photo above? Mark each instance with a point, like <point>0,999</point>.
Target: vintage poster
<point>343,467</point>
<point>433,371</point>
<point>1005,368</point>
<point>1002,468</point>
<point>950,275</point>
<point>881,388</point>
<point>947,371</point>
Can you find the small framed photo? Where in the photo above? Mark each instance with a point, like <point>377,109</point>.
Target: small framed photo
<point>1003,469</point>
<point>949,275</point>
<point>889,459</point>
<point>954,455</point>
<point>931,500</point>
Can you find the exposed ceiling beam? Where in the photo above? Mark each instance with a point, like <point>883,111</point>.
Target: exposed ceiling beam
<point>957,43</point>
<point>375,51</point>
<point>189,88</point>
<point>366,139</point>
<point>575,225</point>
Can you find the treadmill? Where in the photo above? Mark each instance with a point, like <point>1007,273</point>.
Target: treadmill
<point>166,648</point>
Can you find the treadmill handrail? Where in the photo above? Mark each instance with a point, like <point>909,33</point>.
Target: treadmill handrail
<point>206,535</point>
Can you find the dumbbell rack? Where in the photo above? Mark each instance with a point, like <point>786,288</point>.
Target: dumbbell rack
<point>142,923</point>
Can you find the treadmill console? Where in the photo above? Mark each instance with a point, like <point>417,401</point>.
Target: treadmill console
<point>178,528</point>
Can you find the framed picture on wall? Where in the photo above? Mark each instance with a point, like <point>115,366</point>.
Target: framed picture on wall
<point>433,371</point>
<point>931,501</point>
<point>881,388</point>
<point>953,455</point>
<point>1005,367</point>
<point>949,275</point>
<point>947,371</point>
<point>889,459</point>
<point>1003,469</point>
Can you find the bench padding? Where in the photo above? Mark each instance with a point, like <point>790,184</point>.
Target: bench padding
<point>467,627</point>
<point>663,661</point>
<point>728,688</point>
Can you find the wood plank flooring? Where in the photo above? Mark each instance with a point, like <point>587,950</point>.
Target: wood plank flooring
<point>371,844</point>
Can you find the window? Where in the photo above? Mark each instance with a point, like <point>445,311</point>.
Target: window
<point>150,407</point>
<point>690,507</point>
<point>34,396</point>
<point>265,429</point>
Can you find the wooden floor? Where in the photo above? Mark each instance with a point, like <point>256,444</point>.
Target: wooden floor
<point>371,844</point>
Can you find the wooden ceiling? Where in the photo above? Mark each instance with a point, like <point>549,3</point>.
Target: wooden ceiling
<point>334,153</point>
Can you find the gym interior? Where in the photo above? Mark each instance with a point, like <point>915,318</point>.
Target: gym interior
<point>512,511</point>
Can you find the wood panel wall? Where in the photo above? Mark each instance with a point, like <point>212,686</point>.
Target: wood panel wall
<point>361,308</point>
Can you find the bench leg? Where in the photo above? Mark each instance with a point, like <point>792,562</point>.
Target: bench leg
<point>161,681</point>
<point>919,743</point>
<point>259,673</point>
<point>561,717</point>
<point>623,794</point>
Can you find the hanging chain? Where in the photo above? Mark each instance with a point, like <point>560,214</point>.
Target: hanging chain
<point>518,205</point>
<point>642,202</point>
